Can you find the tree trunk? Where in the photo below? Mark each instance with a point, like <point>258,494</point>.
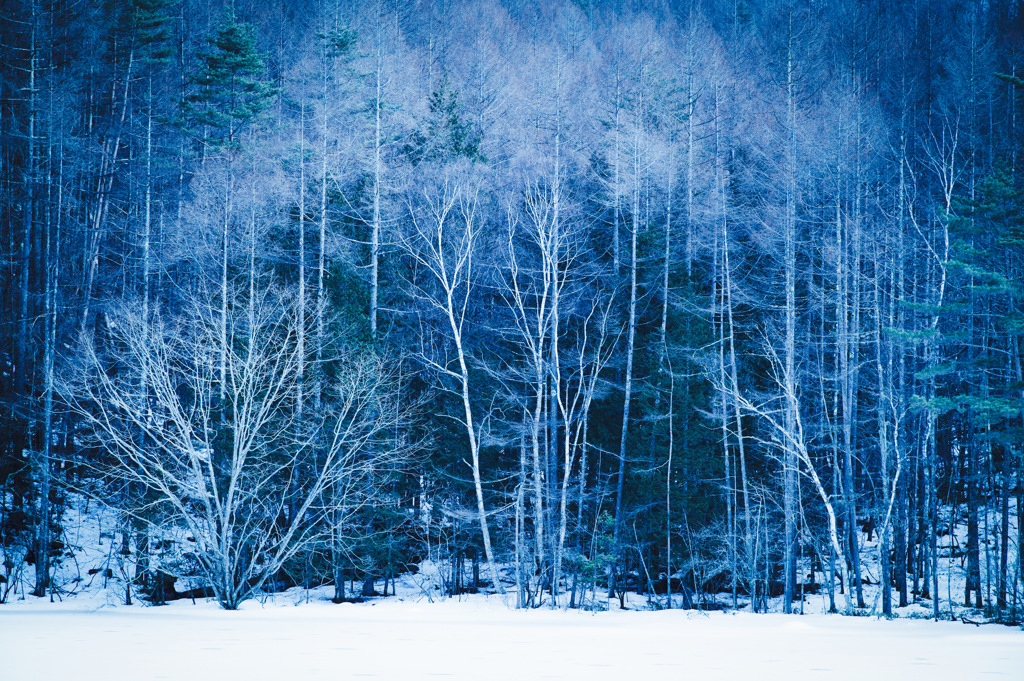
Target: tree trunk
<point>973,582</point>
<point>321,269</point>
<point>377,171</point>
<point>883,369</point>
<point>28,217</point>
<point>628,378</point>
<point>474,447</point>
<point>300,372</point>
<point>1004,529</point>
<point>789,462</point>
<point>229,191</point>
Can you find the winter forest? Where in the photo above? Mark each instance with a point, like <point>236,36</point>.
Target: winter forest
<point>693,301</point>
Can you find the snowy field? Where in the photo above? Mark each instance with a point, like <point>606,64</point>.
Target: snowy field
<point>298,635</point>
<point>481,638</point>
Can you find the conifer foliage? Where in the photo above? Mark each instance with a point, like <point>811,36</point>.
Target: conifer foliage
<point>229,88</point>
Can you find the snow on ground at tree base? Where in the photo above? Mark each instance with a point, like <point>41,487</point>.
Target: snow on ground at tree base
<point>94,568</point>
<point>87,632</point>
<point>482,638</point>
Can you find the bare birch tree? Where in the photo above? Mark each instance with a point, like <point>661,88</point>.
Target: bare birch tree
<point>229,475</point>
<point>445,226</point>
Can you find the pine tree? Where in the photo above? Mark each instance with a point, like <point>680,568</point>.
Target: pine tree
<point>229,89</point>
<point>448,135</point>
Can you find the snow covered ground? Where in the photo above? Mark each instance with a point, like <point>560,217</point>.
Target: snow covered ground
<point>89,634</point>
<point>482,638</point>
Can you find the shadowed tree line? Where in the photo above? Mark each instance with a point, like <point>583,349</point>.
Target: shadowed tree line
<point>573,298</point>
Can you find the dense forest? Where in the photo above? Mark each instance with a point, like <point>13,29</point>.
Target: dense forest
<point>666,297</point>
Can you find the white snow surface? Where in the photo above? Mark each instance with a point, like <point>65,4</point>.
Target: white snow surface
<point>301,635</point>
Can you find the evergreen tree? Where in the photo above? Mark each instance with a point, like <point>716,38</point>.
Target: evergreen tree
<point>448,135</point>
<point>230,87</point>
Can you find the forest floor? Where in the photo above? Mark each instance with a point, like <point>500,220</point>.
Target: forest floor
<point>86,632</point>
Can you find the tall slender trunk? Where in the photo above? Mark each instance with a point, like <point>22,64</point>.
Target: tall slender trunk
<point>846,328</point>
<point>377,171</point>
<point>854,374</point>
<point>521,582</point>
<point>229,192</point>
<point>147,225</point>
<point>252,262</point>
<point>559,407</point>
<point>616,248</point>
<point>691,101</point>
<point>904,515</point>
<point>789,463</point>
<point>665,370</point>
<point>28,216</point>
<point>931,463</point>
<point>883,368</point>
<point>42,454</point>
<point>1020,534</point>
<point>729,488</point>
<point>321,271</point>
<point>931,484</point>
<point>300,352</point>
<point>630,343</point>
<point>973,581</point>
<point>52,269</point>
<point>474,447</point>
<point>1004,529</point>
<point>538,476</point>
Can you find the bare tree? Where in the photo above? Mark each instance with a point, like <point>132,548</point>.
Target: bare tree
<point>231,475</point>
